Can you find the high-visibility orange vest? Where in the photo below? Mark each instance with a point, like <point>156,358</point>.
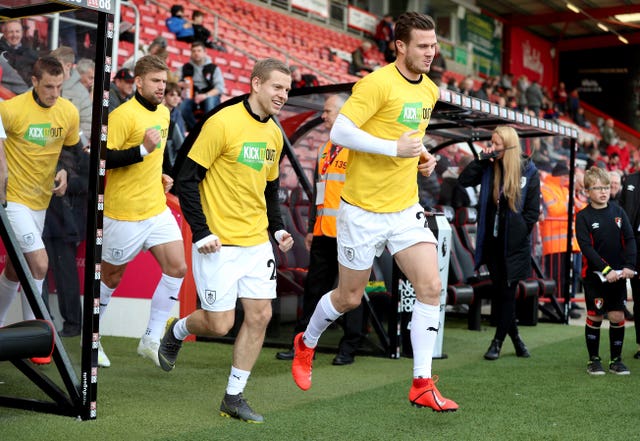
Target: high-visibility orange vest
<point>331,176</point>
<point>553,228</point>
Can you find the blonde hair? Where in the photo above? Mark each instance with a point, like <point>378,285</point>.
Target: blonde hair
<point>511,166</point>
<point>594,174</point>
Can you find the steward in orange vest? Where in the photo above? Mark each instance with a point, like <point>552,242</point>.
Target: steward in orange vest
<point>332,165</point>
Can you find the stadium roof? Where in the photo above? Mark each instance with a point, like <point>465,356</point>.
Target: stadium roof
<point>572,24</point>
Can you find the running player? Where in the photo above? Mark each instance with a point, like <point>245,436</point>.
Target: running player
<point>228,189</point>
<point>382,124</point>
<point>136,216</point>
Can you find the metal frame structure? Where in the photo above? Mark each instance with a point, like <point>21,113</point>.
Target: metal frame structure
<point>79,396</point>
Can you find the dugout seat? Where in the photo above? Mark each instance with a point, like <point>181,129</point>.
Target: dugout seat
<point>27,339</point>
<point>465,286</point>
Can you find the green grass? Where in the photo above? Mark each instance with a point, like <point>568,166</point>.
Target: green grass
<point>546,397</point>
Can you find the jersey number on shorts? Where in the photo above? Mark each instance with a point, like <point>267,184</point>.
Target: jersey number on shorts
<point>272,263</point>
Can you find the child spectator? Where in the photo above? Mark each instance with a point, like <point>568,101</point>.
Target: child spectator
<point>180,26</point>
<point>608,245</point>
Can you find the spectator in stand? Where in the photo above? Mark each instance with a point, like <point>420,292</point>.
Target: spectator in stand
<point>613,162</point>
<point>608,134</point>
<point>620,150</point>
<point>594,158</point>
<point>201,33</point>
<point>17,50</point>
<point>121,89</point>
<point>359,61</point>
<point>521,92</point>
<point>177,128</point>
<point>302,80</point>
<point>561,98</point>
<point>74,90</point>
<point>180,26</point>
<point>573,103</point>
<point>384,33</point>
<point>87,70</point>
<point>615,184</point>
<point>484,92</point>
<point>157,47</point>
<point>390,52</point>
<point>438,67</point>
<point>534,97</point>
<point>506,81</point>
<point>466,86</point>
<point>207,84</point>
<point>580,118</point>
<point>452,84</point>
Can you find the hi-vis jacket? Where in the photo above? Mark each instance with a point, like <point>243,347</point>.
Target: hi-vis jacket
<point>330,180</point>
<point>553,228</point>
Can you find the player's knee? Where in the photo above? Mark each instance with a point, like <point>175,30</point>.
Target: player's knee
<point>111,280</point>
<point>178,271</point>
<point>218,325</point>
<point>352,302</point>
<point>429,288</point>
<point>39,270</point>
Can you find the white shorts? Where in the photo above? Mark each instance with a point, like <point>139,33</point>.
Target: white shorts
<point>27,225</point>
<point>123,240</point>
<point>363,235</point>
<point>232,273</point>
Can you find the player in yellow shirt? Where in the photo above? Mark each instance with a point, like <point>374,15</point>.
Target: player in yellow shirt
<point>382,125</point>
<point>136,216</point>
<point>228,189</point>
<point>38,124</point>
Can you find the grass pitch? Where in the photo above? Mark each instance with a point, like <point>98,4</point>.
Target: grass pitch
<point>547,397</point>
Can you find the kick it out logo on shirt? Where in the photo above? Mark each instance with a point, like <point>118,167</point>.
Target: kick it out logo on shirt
<point>40,134</point>
<point>413,114</point>
<point>256,154</point>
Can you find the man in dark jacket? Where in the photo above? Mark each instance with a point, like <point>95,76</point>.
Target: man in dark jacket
<point>19,53</point>
<point>64,229</point>
<point>630,202</point>
<point>203,82</point>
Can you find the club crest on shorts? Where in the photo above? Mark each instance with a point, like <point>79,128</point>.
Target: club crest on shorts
<point>209,296</point>
<point>599,302</point>
<point>117,253</point>
<point>349,253</point>
<point>29,239</point>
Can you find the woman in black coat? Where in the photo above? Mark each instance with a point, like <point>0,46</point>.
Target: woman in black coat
<point>509,205</point>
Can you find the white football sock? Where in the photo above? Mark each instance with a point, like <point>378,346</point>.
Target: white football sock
<point>322,317</point>
<point>237,381</point>
<point>425,322</point>
<point>164,297</point>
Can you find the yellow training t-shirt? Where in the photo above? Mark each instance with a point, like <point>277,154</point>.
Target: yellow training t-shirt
<point>386,104</point>
<point>135,192</point>
<point>35,137</point>
<point>240,154</point>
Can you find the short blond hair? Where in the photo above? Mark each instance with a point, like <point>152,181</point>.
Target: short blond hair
<point>595,174</point>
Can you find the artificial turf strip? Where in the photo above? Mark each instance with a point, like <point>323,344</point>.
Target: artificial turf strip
<point>546,397</point>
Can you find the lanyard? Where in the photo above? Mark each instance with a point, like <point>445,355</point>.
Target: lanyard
<point>328,159</point>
